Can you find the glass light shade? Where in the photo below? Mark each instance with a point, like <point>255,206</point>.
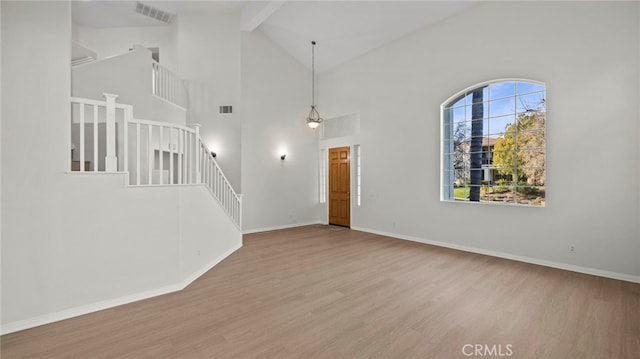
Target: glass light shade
<point>313,120</point>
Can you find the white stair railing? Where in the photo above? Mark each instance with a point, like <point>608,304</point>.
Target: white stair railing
<point>94,130</point>
<point>212,176</point>
<point>160,153</point>
<point>152,153</point>
<point>167,85</point>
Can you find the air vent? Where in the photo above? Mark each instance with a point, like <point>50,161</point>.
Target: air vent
<point>226,109</point>
<point>155,13</point>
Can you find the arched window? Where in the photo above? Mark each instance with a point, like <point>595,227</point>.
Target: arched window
<point>493,144</point>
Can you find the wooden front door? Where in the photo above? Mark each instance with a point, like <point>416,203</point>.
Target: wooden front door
<point>340,186</point>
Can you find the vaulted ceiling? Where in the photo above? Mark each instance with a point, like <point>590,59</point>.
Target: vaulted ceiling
<point>342,29</point>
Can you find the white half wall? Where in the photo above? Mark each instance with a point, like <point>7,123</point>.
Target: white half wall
<point>587,53</point>
<point>276,95</point>
<point>206,232</point>
<point>72,242</point>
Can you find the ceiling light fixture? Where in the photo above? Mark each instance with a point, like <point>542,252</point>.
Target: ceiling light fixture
<point>314,119</point>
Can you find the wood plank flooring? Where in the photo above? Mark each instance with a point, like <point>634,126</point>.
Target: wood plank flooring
<point>323,292</point>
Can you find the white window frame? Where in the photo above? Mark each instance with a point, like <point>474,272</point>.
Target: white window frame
<point>447,175</point>
<point>322,195</point>
<point>358,169</point>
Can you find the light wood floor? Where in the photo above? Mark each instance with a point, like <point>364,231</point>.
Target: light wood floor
<point>323,292</point>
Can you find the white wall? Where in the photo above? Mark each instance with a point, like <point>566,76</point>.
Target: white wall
<point>74,243</point>
<point>1,155</point>
<point>209,54</point>
<point>588,56</point>
<point>276,95</point>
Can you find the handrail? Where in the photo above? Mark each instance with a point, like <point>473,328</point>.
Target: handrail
<point>158,123</point>
<point>91,102</point>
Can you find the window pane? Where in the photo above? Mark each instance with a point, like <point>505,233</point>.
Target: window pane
<point>498,125</point>
<point>504,159</point>
<point>531,120</point>
<point>531,140</point>
<point>502,107</point>
<point>447,146</point>
<point>469,109</point>
<point>487,155</point>
<point>526,87</point>
<point>466,131</point>
<point>532,195</point>
<point>534,101</point>
<point>458,102</point>
<point>456,149</point>
<point>482,122</point>
<point>467,99</point>
<point>532,176</point>
<point>502,194</point>
<point>476,172</point>
<point>457,114</point>
<point>447,130</point>
<point>485,96</point>
<point>461,193</point>
<point>501,90</point>
<point>503,182</point>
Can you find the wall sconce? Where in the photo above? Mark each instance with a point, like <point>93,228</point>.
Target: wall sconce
<point>213,154</point>
<point>284,155</point>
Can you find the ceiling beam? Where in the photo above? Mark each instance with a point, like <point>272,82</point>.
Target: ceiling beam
<point>255,13</point>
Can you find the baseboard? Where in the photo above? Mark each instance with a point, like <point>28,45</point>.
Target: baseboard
<point>111,303</point>
<point>275,228</point>
<point>190,279</point>
<point>86,309</point>
<point>558,265</point>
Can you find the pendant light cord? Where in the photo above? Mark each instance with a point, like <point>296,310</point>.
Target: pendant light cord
<point>314,119</point>
<point>313,74</point>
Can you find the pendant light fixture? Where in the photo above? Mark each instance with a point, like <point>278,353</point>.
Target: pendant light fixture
<point>314,119</point>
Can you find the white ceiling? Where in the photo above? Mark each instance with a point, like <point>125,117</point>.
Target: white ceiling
<point>342,29</point>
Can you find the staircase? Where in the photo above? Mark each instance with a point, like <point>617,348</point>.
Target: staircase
<point>108,139</point>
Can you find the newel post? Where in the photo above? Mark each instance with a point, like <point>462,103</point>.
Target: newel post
<point>198,150</point>
<point>110,160</point>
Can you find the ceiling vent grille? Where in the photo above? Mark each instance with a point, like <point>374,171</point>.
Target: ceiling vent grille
<point>226,109</point>
<point>155,13</point>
